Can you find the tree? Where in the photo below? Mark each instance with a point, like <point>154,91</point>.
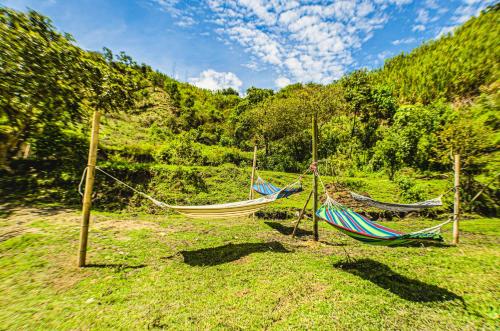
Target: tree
<point>47,92</point>
<point>172,88</point>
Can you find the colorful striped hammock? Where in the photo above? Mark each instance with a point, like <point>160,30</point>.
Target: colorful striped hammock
<point>360,228</point>
<point>265,188</point>
<point>397,207</point>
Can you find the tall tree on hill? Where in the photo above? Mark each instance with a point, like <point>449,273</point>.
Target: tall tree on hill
<point>58,84</point>
<point>40,80</point>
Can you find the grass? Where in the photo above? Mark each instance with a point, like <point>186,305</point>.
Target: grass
<point>156,271</point>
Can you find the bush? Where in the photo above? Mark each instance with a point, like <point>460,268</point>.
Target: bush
<point>410,191</point>
<point>218,155</point>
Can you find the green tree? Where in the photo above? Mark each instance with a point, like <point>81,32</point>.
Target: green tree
<point>47,91</point>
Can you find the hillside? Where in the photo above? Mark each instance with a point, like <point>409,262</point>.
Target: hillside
<point>402,120</point>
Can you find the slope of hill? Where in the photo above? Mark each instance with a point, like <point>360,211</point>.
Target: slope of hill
<point>404,118</point>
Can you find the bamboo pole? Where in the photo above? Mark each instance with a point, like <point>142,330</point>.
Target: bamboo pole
<point>27,149</point>
<point>89,183</point>
<point>301,214</point>
<point>315,177</point>
<point>252,179</point>
<point>456,204</point>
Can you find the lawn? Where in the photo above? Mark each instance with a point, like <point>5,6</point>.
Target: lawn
<point>157,271</point>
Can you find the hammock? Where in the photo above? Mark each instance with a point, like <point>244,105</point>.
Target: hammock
<point>360,228</point>
<point>265,188</point>
<point>225,210</point>
<point>397,207</point>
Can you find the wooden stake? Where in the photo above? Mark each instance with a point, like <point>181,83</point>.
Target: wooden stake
<point>27,151</point>
<point>301,214</point>
<point>315,178</point>
<point>252,179</point>
<point>89,183</point>
<point>456,204</point>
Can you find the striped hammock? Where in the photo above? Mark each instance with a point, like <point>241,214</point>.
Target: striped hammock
<point>219,211</point>
<point>360,228</point>
<point>265,188</point>
<point>397,207</point>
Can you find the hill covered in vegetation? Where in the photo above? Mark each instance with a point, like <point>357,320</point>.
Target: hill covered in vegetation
<point>403,120</point>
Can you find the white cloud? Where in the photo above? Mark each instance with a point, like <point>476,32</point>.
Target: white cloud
<point>418,27</point>
<point>463,13</point>
<point>214,80</point>
<point>168,6</point>
<point>384,55</point>
<point>303,40</point>
<point>445,30</point>
<point>183,18</point>
<point>468,9</point>
<point>471,2</point>
<point>422,16</point>
<point>311,40</point>
<point>185,21</point>
<point>253,65</point>
<point>282,82</point>
<point>432,4</point>
<point>410,40</point>
<point>430,12</point>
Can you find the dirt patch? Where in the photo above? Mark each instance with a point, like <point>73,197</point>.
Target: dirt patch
<point>16,220</point>
<point>126,224</point>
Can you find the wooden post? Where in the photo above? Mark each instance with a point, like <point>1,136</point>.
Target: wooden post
<point>301,214</point>
<point>315,178</point>
<point>456,204</point>
<point>252,179</point>
<point>89,183</point>
<point>26,153</point>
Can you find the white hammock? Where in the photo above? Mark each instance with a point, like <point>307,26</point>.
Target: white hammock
<point>225,210</point>
<point>397,207</point>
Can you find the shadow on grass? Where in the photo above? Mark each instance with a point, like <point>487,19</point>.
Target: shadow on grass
<point>116,266</point>
<point>287,230</point>
<point>404,287</point>
<point>228,253</point>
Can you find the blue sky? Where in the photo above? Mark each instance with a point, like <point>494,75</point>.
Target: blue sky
<point>216,44</point>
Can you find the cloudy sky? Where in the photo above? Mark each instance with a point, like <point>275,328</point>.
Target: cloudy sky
<point>242,43</point>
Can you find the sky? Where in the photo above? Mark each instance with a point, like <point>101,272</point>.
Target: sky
<point>217,44</point>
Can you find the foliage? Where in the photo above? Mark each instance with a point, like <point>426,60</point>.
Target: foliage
<point>413,112</point>
<point>454,66</point>
<point>57,85</point>
<point>410,192</point>
<point>43,97</point>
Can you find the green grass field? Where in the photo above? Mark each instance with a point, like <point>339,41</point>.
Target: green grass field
<point>154,272</point>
